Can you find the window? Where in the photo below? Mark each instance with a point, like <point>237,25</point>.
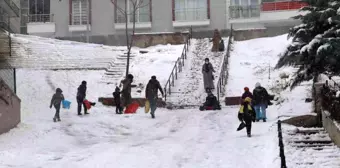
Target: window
<point>191,10</point>
<point>143,14</point>
<point>79,12</point>
<point>39,11</point>
<point>244,9</point>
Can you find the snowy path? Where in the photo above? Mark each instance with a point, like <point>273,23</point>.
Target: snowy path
<point>175,139</point>
<point>189,88</point>
<point>45,53</point>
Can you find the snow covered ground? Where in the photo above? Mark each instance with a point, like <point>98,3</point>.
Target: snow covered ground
<point>179,138</point>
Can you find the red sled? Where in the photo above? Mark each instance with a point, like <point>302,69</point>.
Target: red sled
<point>87,104</point>
<point>132,108</point>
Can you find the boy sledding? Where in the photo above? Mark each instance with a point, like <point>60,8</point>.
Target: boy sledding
<point>211,102</point>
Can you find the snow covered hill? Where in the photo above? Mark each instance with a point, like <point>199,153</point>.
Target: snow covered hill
<point>185,138</point>
<point>189,89</point>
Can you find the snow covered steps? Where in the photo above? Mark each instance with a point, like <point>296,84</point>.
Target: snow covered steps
<point>116,69</point>
<point>189,86</point>
<point>310,147</point>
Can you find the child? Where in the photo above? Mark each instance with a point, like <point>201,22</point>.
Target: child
<point>116,96</point>
<point>247,114</point>
<point>57,98</point>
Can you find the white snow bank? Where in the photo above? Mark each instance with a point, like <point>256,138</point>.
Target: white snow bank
<point>252,61</point>
<point>159,61</point>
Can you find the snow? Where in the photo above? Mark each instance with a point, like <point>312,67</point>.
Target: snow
<point>252,61</point>
<point>176,138</point>
<point>323,48</point>
<point>338,11</point>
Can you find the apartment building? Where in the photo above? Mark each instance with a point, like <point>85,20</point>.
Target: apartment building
<point>13,15</point>
<point>64,18</point>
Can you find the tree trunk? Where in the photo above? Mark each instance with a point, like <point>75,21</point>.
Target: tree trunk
<point>127,38</point>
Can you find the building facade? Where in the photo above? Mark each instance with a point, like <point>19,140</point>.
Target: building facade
<point>13,15</point>
<point>65,18</point>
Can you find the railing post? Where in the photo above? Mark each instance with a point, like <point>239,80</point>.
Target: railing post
<point>182,59</point>
<point>176,70</point>
<point>15,80</point>
<point>169,88</point>
<point>165,93</point>
<point>173,79</point>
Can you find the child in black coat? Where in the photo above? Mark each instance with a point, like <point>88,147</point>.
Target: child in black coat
<point>116,96</point>
<point>56,100</point>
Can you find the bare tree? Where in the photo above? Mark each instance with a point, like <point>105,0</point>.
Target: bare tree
<point>135,5</point>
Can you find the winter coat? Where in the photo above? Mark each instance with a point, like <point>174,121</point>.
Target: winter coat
<point>208,77</point>
<point>81,94</point>
<point>116,97</point>
<point>247,94</point>
<point>211,101</point>
<point>221,46</point>
<point>57,98</point>
<point>216,41</point>
<point>126,86</point>
<point>151,91</point>
<point>260,96</point>
<point>246,112</point>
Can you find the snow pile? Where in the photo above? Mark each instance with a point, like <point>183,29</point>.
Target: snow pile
<point>253,61</point>
<point>159,61</point>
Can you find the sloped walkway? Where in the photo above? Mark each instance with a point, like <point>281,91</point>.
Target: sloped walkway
<point>189,88</point>
<point>44,53</point>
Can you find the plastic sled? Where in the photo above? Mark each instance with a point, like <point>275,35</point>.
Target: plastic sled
<point>132,108</point>
<point>66,104</point>
<point>87,104</point>
<point>147,106</point>
<point>241,126</point>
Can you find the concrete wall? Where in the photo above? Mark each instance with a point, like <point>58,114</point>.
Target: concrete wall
<point>162,16</point>
<point>147,40</point>
<point>60,9</point>
<point>102,23</point>
<point>240,35</point>
<point>331,128</point>
<point>9,108</point>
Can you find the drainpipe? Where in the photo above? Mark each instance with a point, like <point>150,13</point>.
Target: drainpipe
<point>88,22</point>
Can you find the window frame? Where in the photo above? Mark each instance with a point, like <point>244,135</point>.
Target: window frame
<point>71,18</point>
<point>186,2</point>
<point>129,19</point>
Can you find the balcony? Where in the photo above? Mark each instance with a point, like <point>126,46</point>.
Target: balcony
<point>14,7</point>
<point>282,6</point>
<point>40,23</point>
<point>40,18</point>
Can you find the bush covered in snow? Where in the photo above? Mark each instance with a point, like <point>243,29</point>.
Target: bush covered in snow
<point>315,43</point>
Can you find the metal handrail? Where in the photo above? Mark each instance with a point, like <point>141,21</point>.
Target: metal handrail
<point>178,67</point>
<point>222,80</point>
<point>14,7</point>
<point>32,18</point>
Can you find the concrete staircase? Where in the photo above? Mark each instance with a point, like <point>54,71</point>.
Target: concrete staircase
<point>4,45</point>
<point>116,70</point>
<point>188,90</point>
<point>310,147</point>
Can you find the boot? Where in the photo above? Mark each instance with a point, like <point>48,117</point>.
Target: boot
<point>86,113</point>
<point>80,114</point>
<point>152,116</point>
<point>59,119</point>
<point>248,134</point>
<point>264,120</point>
<point>54,120</point>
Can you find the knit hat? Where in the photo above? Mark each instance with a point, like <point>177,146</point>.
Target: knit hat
<point>246,89</point>
<point>257,84</point>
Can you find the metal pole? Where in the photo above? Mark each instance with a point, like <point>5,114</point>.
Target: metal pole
<point>88,22</point>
